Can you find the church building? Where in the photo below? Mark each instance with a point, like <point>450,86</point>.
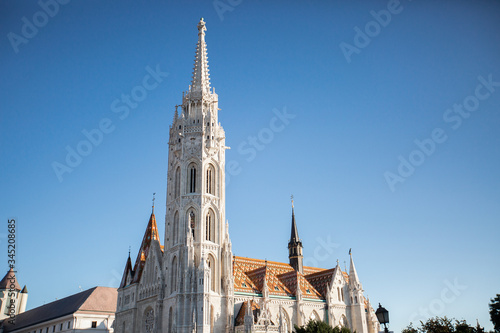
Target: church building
<point>193,283</point>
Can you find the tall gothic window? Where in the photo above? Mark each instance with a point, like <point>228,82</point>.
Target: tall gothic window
<point>211,266</point>
<point>175,235</point>
<point>210,226</point>
<point>192,178</point>
<point>192,224</point>
<point>173,278</point>
<point>170,319</point>
<point>210,179</point>
<point>149,320</point>
<point>177,182</point>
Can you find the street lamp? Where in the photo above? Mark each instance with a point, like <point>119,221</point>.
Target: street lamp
<point>383,316</point>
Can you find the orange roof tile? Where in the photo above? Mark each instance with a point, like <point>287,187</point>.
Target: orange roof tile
<point>281,278</point>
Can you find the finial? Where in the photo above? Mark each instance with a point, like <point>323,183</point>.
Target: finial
<point>153,208</point>
<point>350,252</point>
<point>129,251</point>
<point>291,197</point>
<point>337,262</point>
<point>201,26</point>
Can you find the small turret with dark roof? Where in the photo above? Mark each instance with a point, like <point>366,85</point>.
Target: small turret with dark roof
<point>295,247</point>
<point>12,289</point>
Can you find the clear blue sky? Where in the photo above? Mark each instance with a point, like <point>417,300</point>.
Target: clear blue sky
<point>354,121</point>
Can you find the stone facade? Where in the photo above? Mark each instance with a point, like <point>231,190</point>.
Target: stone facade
<point>193,283</point>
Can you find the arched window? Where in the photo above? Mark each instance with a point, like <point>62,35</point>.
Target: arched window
<point>170,319</point>
<point>315,316</point>
<point>338,289</point>
<point>192,223</point>
<point>175,234</point>
<point>149,320</point>
<point>210,179</point>
<point>210,226</point>
<point>192,178</point>
<point>343,321</point>
<point>356,299</point>
<point>177,182</point>
<point>342,293</point>
<point>173,278</point>
<point>285,321</point>
<point>212,277</point>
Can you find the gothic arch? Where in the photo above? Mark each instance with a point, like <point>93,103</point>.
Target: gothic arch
<point>210,225</point>
<point>314,316</point>
<point>148,320</point>
<point>170,319</point>
<point>192,185</point>
<point>210,179</point>
<point>191,214</point>
<point>173,277</point>
<point>343,321</point>
<point>213,272</point>
<point>177,182</point>
<point>175,233</point>
<point>287,327</point>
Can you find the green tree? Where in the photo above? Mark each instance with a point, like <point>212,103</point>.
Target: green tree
<point>437,325</point>
<point>442,325</point>
<point>409,329</point>
<point>316,326</point>
<point>495,312</point>
<point>463,327</point>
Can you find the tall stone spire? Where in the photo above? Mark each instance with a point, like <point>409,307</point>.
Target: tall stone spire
<point>295,246</point>
<point>353,275</point>
<point>201,78</point>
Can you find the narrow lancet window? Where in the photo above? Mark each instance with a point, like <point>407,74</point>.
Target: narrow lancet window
<point>192,178</point>
<point>210,180</point>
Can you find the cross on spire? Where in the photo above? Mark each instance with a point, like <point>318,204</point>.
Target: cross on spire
<point>153,208</point>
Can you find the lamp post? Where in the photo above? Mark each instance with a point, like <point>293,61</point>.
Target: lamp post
<point>383,317</point>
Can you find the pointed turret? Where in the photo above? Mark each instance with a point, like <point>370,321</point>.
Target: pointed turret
<point>295,247</point>
<point>127,271</point>
<point>9,280</point>
<point>201,78</point>
<point>150,235</point>
<point>353,275</point>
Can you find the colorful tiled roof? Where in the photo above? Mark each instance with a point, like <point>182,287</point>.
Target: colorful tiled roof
<point>281,279</point>
<point>150,235</point>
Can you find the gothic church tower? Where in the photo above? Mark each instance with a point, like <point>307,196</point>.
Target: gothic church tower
<point>197,254</point>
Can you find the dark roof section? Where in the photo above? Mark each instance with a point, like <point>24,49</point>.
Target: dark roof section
<point>101,299</point>
<point>6,281</point>
<point>128,269</point>
<point>25,290</point>
<point>294,238</point>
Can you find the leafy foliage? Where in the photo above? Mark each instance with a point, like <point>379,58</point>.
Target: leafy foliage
<point>315,326</point>
<point>443,325</point>
<point>495,312</point>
